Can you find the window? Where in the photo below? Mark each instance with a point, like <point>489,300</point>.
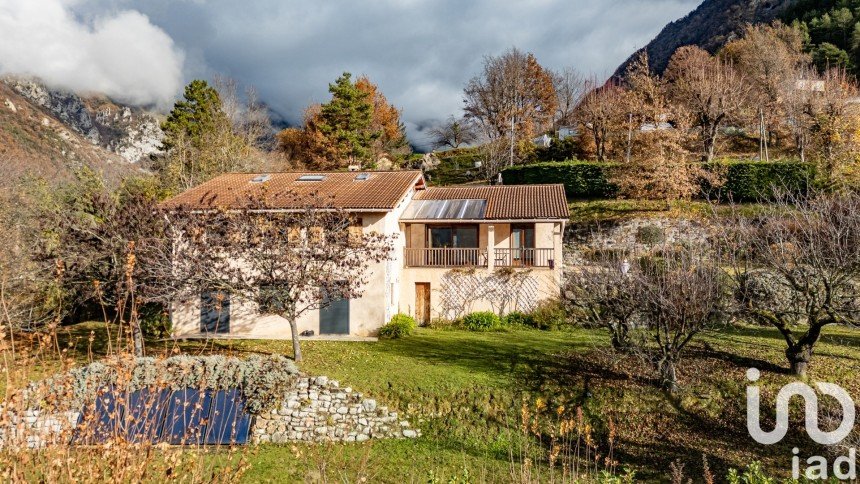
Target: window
<point>356,231</point>
<point>215,312</point>
<point>523,244</point>
<point>362,176</point>
<point>261,178</point>
<point>456,236</point>
<point>311,178</point>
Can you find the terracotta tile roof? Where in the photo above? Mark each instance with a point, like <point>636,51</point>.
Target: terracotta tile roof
<point>508,201</point>
<point>380,191</point>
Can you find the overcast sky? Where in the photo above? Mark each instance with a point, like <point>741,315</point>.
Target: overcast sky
<point>420,52</point>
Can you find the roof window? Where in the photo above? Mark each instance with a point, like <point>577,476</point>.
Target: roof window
<point>362,176</point>
<point>311,178</point>
<point>261,178</point>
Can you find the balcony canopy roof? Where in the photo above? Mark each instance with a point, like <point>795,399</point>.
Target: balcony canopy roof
<point>501,202</point>
<point>445,210</point>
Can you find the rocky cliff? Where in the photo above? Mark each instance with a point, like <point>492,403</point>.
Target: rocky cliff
<point>710,26</point>
<point>132,133</point>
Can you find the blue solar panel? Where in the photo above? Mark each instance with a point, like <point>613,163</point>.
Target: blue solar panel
<point>145,411</point>
<point>229,423</point>
<point>187,412</point>
<point>98,421</point>
<point>180,417</point>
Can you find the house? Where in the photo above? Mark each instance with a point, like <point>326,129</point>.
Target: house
<point>456,250</point>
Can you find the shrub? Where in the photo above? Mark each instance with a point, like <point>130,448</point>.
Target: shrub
<point>549,314</point>
<point>481,321</point>
<point>581,179</point>
<point>440,323</point>
<point>263,380</point>
<point>401,325</point>
<point>650,234</point>
<point>744,181</point>
<point>749,181</point>
<point>518,318</point>
<point>155,322</point>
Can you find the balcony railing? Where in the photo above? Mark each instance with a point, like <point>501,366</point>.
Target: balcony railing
<point>524,258</point>
<point>445,257</point>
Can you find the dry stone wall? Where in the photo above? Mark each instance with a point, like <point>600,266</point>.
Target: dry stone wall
<point>319,410</point>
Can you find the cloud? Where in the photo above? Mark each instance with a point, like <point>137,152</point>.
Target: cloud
<point>122,55</point>
<point>420,52</point>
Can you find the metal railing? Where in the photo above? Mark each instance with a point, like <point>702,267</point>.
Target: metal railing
<point>445,257</point>
<point>524,258</point>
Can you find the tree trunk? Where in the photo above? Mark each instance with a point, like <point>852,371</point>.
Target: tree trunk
<point>297,348</point>
<point>137,338</point>
<point>668,375</point>
<point>798,356</point>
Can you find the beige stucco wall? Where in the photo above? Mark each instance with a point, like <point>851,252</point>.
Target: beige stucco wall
<point>542,285</point>
<point>366,314</point>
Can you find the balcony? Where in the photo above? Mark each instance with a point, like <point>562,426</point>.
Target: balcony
<point>445,257</point>
<point>525,258</point>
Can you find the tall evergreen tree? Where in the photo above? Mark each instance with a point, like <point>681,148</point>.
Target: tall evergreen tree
<point>199,141</point>
<point>346,120</point>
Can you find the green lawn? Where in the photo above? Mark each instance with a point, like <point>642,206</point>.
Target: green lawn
<point>466,391</point>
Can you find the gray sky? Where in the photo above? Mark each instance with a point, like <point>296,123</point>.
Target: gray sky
<point>419,52</point>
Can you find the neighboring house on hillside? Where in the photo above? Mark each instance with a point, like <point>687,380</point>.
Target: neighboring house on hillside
<point>456,250</point>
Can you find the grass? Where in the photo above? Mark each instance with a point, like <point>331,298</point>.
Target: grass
<point>613,210</point>
<point>466,390</point>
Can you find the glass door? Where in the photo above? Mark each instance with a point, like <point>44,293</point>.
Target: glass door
<point>523,244</point>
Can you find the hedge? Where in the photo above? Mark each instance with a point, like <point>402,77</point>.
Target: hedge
<point>744,181</point>
<point>749,181</point>
<point>581,179</point>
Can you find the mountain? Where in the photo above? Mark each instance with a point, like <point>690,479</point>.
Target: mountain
<point>132,133</point>
<point>713,24</point>
<point>51,134</point>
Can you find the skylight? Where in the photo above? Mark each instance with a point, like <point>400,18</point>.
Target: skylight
<point>311,178</point>
<point>362,176</point>
<point>261,178</point>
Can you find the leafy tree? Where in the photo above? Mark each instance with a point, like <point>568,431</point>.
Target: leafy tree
<point>709,89</point>
<point>358,126</point>
<point>346,120</point>
<point>385,120</point>
<point>513,93</point>
<point>199,141</point>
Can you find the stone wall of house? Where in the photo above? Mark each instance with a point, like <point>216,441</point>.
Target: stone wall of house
<point>319,410</point>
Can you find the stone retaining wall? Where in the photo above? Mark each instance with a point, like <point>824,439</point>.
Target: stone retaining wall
<point>319,410</point>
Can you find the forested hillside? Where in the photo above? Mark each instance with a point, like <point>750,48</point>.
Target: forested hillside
<point>833,27</point>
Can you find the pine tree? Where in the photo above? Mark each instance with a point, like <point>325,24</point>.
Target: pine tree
<point>199,141</point>
<point>346,120</point>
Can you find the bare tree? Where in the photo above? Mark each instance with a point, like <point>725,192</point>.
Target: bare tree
<point>513,98</point>
<point>287,263</point>
<point>570,89</point>
<point>603,114</point>
<point>249,117</point>
<point>797,268</point>
<point>710,89</point>
<point>453,133</point>
<point>681,296</point>
<point>603,294</point>
<point>654,307</point>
